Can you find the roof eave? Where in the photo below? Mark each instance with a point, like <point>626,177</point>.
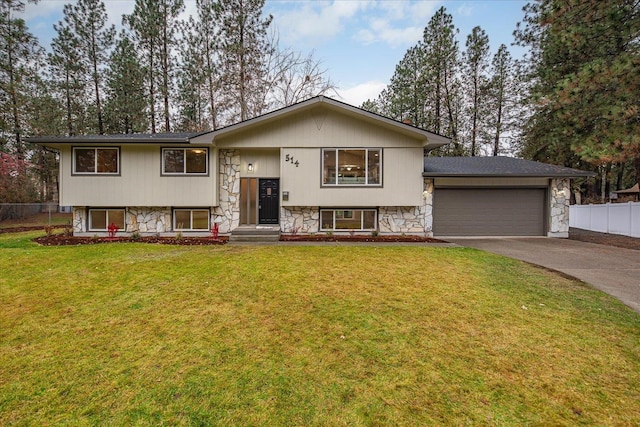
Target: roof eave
<point>429,140</point>
<point>504,175</point>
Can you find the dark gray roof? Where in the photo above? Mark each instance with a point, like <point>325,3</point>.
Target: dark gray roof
<point>130,138</point>
<point>494,167</point>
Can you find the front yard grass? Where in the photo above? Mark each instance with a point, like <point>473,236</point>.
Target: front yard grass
<point>135,334</point>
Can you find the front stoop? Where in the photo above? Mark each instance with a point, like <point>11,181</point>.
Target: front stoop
<point>255,234</point>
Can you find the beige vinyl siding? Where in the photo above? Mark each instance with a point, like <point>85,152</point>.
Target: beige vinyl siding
<point>266,163</point>
<point>139,184</point>
<point>401,180</point>
<point>321,128</point>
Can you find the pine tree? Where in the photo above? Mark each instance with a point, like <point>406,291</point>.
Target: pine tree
<point>126,101</point>
<point>476,63</point>
<point>501,98</point>
<point>206,30</point>
<point>192,80</point>
<point>65,66</point>
<point>145,25</point>
<point>584,77</point>
<point>19,54</point>
<point>87,19</point>
<point>243,50</point>
<point>405,98</point>
<point>441,54</point>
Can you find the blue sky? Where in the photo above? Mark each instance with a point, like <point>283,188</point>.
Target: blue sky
<point>358,41</point>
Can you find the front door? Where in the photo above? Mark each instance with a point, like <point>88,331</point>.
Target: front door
<point>268,201</point>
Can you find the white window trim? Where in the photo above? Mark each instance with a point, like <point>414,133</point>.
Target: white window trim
<point>366,167</point>
<point>362,210</point>
<point>107,222</point>
<point>95,161</point>
<point>184,170</point>
<point>190,228</point>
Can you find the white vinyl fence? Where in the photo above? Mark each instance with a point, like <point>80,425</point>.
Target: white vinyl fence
<point>614,218</point>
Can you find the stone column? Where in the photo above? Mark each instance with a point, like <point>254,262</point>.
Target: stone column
<point>559,208</point>
<point>79,219</point>
<point>227,213</point>
<point>427,196</point>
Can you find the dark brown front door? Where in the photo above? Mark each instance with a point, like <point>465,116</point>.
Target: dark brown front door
<point>268,201</point>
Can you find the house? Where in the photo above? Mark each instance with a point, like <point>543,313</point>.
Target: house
<point>317,166</point>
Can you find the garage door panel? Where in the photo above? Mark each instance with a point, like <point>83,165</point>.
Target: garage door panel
<point>489,212</point>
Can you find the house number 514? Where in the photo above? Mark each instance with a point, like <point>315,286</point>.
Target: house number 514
<point>289,158</point>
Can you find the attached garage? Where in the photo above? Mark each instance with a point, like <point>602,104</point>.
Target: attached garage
<point>498,196</point>
<point>489,212</point>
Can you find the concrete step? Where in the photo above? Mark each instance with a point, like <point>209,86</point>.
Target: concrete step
<point>255,234</point>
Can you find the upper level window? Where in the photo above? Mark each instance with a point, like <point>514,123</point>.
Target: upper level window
<point>352,166</point>
<point>185,161</point>
<point>96,160</point>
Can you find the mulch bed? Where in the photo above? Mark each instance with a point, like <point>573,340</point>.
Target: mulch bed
<point>62,240</point>
<point>604,238</point>
<point>357,238</point>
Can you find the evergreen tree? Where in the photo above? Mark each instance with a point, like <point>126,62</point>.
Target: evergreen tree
<point>87,19</point>
<point>243,50</point>
<point>206,38</point>
<point>406,96</point>
<point>192,103</point>
<point>441,54</point>
<point>476,63</point>
<point>145,25</point>
<point>584,77</point>
<point>126,102</point>
<point>66,70</point>
<point>169,11</point>
<point>501,99</point>
<point>19,54</point>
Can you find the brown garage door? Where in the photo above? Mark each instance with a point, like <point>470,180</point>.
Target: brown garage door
<point>489,212</point>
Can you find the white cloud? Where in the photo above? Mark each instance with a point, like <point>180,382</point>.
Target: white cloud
<point>356,95</point>
<point>318,20</point>
<point>464,9</point>
<point>422,11</point>
<point>42,10</point>
<point>380,31</point>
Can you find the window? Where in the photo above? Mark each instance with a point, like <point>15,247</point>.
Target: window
<point>191,219</point>
<point>185,161</point>
<point>103,161</point>
<point>352,166</point>
<point>350,219</point>
<point>100,219</point>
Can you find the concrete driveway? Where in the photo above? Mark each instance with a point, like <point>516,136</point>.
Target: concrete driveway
<point>613,270</point>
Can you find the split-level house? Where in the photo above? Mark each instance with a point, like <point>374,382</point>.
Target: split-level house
<point>314,167</point>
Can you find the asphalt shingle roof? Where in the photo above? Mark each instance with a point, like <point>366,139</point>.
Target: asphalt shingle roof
<point>494,166</point>
<point>133,138</point>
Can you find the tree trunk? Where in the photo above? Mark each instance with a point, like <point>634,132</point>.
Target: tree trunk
<point>96,81</point>
<point>12,90</point>
<point>496,140</point>
<point>212,105</point>
<point>152,92</point>
<point>165,71</point>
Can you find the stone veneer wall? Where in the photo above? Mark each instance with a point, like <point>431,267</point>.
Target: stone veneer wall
<point>409,219</point>
<point>79,219</point>
<point>391,219</point>
<point>140,219</point>
<point>559,208</point>
<point>300,219</point>
<point>227,213</point>
<point>148,220</point>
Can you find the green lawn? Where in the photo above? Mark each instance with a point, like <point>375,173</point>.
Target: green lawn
<point>135,334</point>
